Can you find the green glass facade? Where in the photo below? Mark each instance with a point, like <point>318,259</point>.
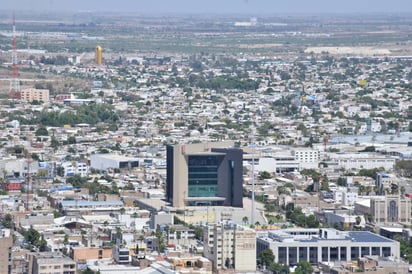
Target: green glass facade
<point>203,175</point>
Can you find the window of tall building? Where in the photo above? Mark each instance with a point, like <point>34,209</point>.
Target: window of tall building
<point>203,175</point>
<point>334,255</point>
<point>365,250</point>
<point>303,253</point>
<point>313,255</point>
<point>386,251</point>
<point>354,253</point>
<point>343,253</point>
<point>293,256</point>
<point>376,250</point>
<point>282,255</point>
<point>325,254</point>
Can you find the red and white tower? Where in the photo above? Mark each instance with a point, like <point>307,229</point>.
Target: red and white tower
<point>14,79</point>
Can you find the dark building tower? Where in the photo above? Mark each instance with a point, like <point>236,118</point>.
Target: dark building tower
<point>204,174</point>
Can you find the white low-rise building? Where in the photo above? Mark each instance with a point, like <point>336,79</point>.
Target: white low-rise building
<point>358,161</point>
<point>112,161</point>
<point>291,246</point>
<point>345,196</point>
<point>74,168</point>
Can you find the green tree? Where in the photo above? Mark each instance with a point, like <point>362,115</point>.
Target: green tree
<point>404,168</point>
<point>296,216</point>
<point>7,221</point>
<point>303,129</point>
<point>160,240</point>
<point>341,181</point>
<point>405,248</point>
<point>245,219</point>
<point>370,172</point>
<point>283,190</point>
<point>277,268</point>
<point>34,238</point>
<point>369,149</point>
<point>41,131</point>
<point>264,175</point>
<point>198,232</point>
<point>312,173</point>
<point>88,271</point>
<point>66,239</point>
<point>266,257</point>
<point>54,143</point>
<point>35,157</point>
<point>324,185</point>
<point>71,140</point>
<point>304,267</point>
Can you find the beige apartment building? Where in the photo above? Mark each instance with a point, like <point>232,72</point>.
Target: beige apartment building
<point>230,246</point>
<point>51,262</point>
<point>32,94</point>
<point>6,242</point>
<point>83,254</point>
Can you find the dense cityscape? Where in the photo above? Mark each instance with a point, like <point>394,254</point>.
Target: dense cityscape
<point>205,144</point>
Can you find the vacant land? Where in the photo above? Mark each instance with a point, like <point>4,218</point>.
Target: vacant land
<point>128,33</point>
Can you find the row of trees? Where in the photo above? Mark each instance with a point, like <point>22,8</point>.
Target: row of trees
<point>296,216</point>
<point>406,248</point>
<point>267,259</point>
<point>221,83</point>
<point>35,239</point>
<point>82,182</point>
<point>404,168</point>
<point>89,114</point>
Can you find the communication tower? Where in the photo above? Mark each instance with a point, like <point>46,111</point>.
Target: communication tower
<point>14,79</point>
<point>325,141</point>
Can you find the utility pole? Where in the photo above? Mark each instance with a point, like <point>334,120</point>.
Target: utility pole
<point>253,178</point>
<point>29,184</point>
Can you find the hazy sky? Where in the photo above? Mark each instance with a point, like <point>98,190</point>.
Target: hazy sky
<point>214,6</point>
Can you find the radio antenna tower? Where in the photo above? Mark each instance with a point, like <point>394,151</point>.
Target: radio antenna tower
<point>14,81</point>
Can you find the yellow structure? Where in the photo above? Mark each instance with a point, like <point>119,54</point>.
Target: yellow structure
<point>99,55</point>
<point>362,82</point>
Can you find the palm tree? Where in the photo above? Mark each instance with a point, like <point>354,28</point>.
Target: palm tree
<point>245,220</point>
<point>178,236</point>
<point>141,238</point>
<point>358,220</point>
<point>402,191</point>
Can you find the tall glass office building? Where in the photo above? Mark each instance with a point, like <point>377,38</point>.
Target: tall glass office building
<point>204,174</point>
